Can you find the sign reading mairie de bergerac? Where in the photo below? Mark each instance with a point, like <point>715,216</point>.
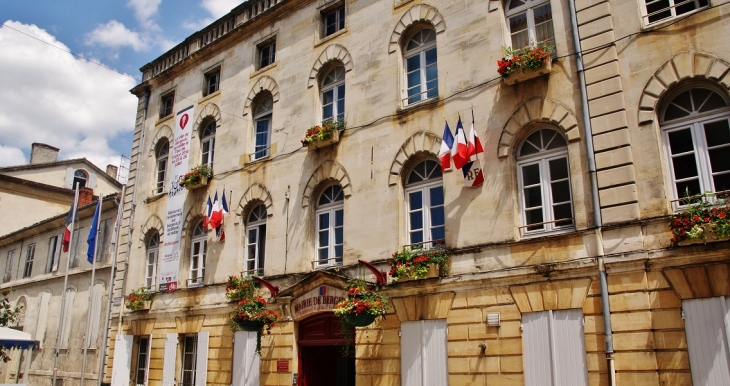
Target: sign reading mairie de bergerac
<point>320,299</point>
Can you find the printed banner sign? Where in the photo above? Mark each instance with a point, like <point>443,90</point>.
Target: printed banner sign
<point>323,298</point>
<point>178,166</point>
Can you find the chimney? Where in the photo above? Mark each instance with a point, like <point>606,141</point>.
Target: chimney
<point>41,153</point>
<point>111,170</point>
<point>86,196</point>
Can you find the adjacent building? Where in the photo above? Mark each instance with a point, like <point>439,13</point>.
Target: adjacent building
<point>563,268</point>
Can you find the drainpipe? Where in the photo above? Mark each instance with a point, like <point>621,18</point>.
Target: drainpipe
<point>588,132</point>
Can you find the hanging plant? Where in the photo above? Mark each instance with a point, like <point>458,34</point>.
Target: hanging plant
<point>417,262</point>
<point>240,288</point>
<point>359,309</point>
<point>136,299</point>
<point>707,216</point>
<point>251,314</point>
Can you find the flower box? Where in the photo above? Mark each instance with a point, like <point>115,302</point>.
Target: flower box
<point>203,182</point>
<point>707,235</point>
<point>705,218</point>
<point>417,263</point>
<point>433,271</point>
<point>146,305</point>
<point>197,177</point>
<point>527,74</point>
<point>139,299</point>
<point>334,138</point>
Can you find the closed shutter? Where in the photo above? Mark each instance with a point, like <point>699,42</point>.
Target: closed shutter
<point>411,350</point>
<point>67,317</point>
<point>121,367</point>
<point>554,348</point>
<point>246,364</point>
<point>706,323</point>
<point>434,353</point>
<point>97,292</point>
<point>40,329</point>
<point>201,359</point>
<point>168,365</point>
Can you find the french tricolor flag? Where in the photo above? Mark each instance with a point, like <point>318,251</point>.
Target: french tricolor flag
<point>447,142</point>
<point>208,213</point>
<point>66,241</point>
<point>473,173</point>
<point>460,150</point>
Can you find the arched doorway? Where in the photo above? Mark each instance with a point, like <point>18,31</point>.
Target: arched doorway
<point>322,357</point>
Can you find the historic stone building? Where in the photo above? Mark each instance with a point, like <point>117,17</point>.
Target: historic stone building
<point>565,248</point>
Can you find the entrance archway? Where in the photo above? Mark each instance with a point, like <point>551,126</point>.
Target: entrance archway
<point>322,357</point>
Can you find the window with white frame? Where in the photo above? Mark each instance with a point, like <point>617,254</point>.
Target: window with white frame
<point>29,257</point>
<point>262,116</point>
<point>554,348</point>
<point>80,179</point>
<point>207,143</point>
<point>333,19</point>
<point>330,226</point>
<point>425,204</point>
<point>529,21</point>
<point>266,53</point>
<point>659,10</point>
<point>212,82</point>
<point>190,359</point>
<point>54,252</point>
<point>696,129</point>
<point>142,360</point>
<point>544,177</point>
<point>153,252</point>
<point>9,266</point>
<point>161,154</point>
<point>421,66</point>
<point>198,251</point>
<point>333,94</point>
<point>255,240</point>
<point>423,353</point>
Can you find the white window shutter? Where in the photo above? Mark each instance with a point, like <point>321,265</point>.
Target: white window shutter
<point>434,353</point>
<point>69,177</point>
<point>147,365</point>
<point>705,321</point>
<point>168,366</point>
<point>57,254</point>
<point>536,352</point>
<point>411,348</point>
<point>201,359</point>
<point>97,293</point>
<point>569,348</point>
<point>67,317</point>
<point>40,329</point>
<point>121,367</point>
<point>246,364</point>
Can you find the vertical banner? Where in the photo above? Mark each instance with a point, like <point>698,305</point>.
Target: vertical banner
<point>170,263</point>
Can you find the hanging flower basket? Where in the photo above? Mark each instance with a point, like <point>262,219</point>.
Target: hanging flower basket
<point>250,326</point>
<point>526,63</point>
<point>323,135</point>
<point>360,320</point>
<point>240,288</point>
<point>362,304</point>
<point>251,314</point>
<point>197,177</point>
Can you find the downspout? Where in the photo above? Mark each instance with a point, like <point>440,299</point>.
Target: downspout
<point>588,132</point>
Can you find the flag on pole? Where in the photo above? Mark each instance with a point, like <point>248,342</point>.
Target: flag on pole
<point>91,240</point>
<point>216,214</point>
<point>459,152</point>
<point>65,243</point>
<point>224,204</point>
<point>208,213</point>
<point>219,231</point>
<point>447,142</point>
<point>474,145</point>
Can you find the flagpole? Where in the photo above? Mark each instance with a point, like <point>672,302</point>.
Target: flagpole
<point>65,284</point>
<point>107,316</point>
<point>97,217</point>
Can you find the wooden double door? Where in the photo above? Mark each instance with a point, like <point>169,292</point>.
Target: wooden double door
<point>323,357</point>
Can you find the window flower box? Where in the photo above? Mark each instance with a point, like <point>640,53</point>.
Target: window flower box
<point>323,135</point>
<point>524,64</point>
<point>416,263</point>
<point>139,299</point>
<point>706,218</point>
<point>197,177</point>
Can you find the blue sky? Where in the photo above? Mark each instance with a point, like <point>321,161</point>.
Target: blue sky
<point>86,110</point>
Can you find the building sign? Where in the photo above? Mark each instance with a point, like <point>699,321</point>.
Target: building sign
<point>282,366</point>
<point>323,298</point>
<point>178,166</point>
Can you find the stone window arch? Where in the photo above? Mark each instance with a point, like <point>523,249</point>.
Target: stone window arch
<point>327,170</point>
<point>334,52</point>
<point>422,13</point>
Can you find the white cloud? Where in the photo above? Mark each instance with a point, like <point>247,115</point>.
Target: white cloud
<point>145,12</point>
<point>218,8</point>
<point>51,97</point>
<point>11,156</point>
<point>115,35</point>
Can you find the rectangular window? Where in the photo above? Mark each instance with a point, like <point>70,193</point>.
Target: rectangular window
<point>143,348</point>
<point>658,10</point>
<point>423,353</point>
<point>54,249</point>
<point>255,249</point>
<point>166,104</point>
<point>261,146</point>
<point>706,322</point>
<point>197,262</point>
<point>9,267</point>
<point>554,348</point>
<point>266,53</point>
<point>330,237</point>
<point>29,257</point>
<point>334,20</point>
<point>151,271</point>
<point>212,82</point>
<point>190,348</point>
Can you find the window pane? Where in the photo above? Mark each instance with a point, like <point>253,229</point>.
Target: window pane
<point>437,216</point>
<point>324,238</point>
<point>338,236</point>
<point>680,106</point>
<point>323,256</point>
<point>531,174</point>
<point>415,200</point>
<point>417,220</point>
<point>681,141</point>
<point>339,214</point>
<point>558,169</point>
<point>688,188</point>
<point>437,233</point>
<point>437,196</point>
<point>518,30</point>
<point>431,56</point>
<point>413,63</point>
<point>534,216</point>
<point>562,211</point>
<point>533,197</point>
<point>722,182</point>
<point>324,221</point>
<point>560,191</point>
<point>655,6</point>
<point>414,79</point>
<point>543,23</point>
<point>717,133</point>
<point>684,166</point>
<point>416,237</point>
<point>714,102</point>
<point>720,159</point>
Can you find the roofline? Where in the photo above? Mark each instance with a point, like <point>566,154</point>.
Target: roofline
<point>57,163</point>
<point>40,185</point>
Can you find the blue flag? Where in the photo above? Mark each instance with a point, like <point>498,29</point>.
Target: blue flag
<point>91,240</point>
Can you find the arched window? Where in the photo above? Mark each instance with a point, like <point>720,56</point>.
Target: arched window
<point>333,94</point>
<point>330,226</point>
<point>425,204</point>
<point>420,66</point>
<point>80,179</point>
<point>529,21</point>
<point>255,240</point>
<point>153,252</point>
<point>198,250</point>
<point>544,178</point>
<point>696,129</point>
<point>161,154</point>
<point>262,115</point>
<point>207,143</point>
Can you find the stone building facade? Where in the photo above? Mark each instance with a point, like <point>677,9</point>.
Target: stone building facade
<point>567,242</point>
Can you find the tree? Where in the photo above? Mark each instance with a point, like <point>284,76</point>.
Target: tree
<point>8,315</point>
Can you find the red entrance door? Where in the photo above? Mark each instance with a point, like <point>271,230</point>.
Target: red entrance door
<point>322,357</point>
